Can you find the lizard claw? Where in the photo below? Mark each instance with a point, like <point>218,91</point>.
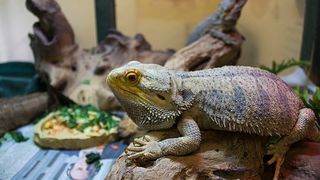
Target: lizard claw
<point>149,151</point>
<point>278,152</point>
<point>138,142</point>
<point>146,138</point>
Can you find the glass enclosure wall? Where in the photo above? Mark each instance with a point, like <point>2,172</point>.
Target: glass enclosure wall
<point>273,28</point>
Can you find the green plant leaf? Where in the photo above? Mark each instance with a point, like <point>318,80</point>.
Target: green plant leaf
<point>92,158</point>
<point>17,136</point>
<point>276,68</point>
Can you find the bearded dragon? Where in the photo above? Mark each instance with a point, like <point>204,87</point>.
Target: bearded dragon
<point>230,98</point>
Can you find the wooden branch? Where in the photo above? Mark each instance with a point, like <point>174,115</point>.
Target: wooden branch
<point>206,52</point>
<point>222,155</point>
<point>214,42</point>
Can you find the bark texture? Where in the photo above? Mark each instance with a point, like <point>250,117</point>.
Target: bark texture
<point>19,111</point>
<point>207,52</point>
<point>221,156</point>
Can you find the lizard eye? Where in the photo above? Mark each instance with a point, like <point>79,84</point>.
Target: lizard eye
<point>133,76</point>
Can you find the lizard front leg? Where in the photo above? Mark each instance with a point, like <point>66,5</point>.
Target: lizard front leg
<point>150,150</point>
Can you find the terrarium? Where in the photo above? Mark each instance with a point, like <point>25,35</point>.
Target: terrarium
<point>146,89</point>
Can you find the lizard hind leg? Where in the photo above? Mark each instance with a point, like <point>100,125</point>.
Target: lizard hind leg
<point>304,125</point>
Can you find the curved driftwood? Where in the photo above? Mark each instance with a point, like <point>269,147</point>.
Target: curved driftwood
<point>221,156</point>
<point>207,52</point>
<point>79,74</point>
<point>214,42</point>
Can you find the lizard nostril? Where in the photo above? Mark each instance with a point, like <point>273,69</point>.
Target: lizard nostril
<point>161,97</point>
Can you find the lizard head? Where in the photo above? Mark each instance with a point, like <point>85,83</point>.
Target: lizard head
<point>146,93</point>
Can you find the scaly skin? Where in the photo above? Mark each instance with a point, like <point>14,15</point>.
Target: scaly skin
<point>232,98</point>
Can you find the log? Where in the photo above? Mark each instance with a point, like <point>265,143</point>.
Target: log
<point>18,111</point>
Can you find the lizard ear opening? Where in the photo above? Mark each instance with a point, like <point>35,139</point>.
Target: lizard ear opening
<point>161,97</point>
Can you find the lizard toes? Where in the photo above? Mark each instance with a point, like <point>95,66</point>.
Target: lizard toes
<point>139,142</point>
<point>133,156</point>
<point>135,149</point>
<point>146,138</point>
<point>273,159</point>
<point>278,168</point>
<point>271,151</point>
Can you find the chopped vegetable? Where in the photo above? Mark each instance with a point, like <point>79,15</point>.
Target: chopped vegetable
<point>48,124</point>
<point>98,164</point>
<point>86,119</point>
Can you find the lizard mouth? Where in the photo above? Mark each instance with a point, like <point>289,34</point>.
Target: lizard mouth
<point>130,94</point>
<point>122,92</point>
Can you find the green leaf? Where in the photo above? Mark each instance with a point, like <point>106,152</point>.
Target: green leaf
<point>273,140</point>
<point>313,102</point>
<point>98,164</point>
<point>276,68</point>
<point>92,157</point>
<point>84,125</point>
<point>305,97</point>
<point>316,96</point>
<point>72,123</point>
<point>17,136</point>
